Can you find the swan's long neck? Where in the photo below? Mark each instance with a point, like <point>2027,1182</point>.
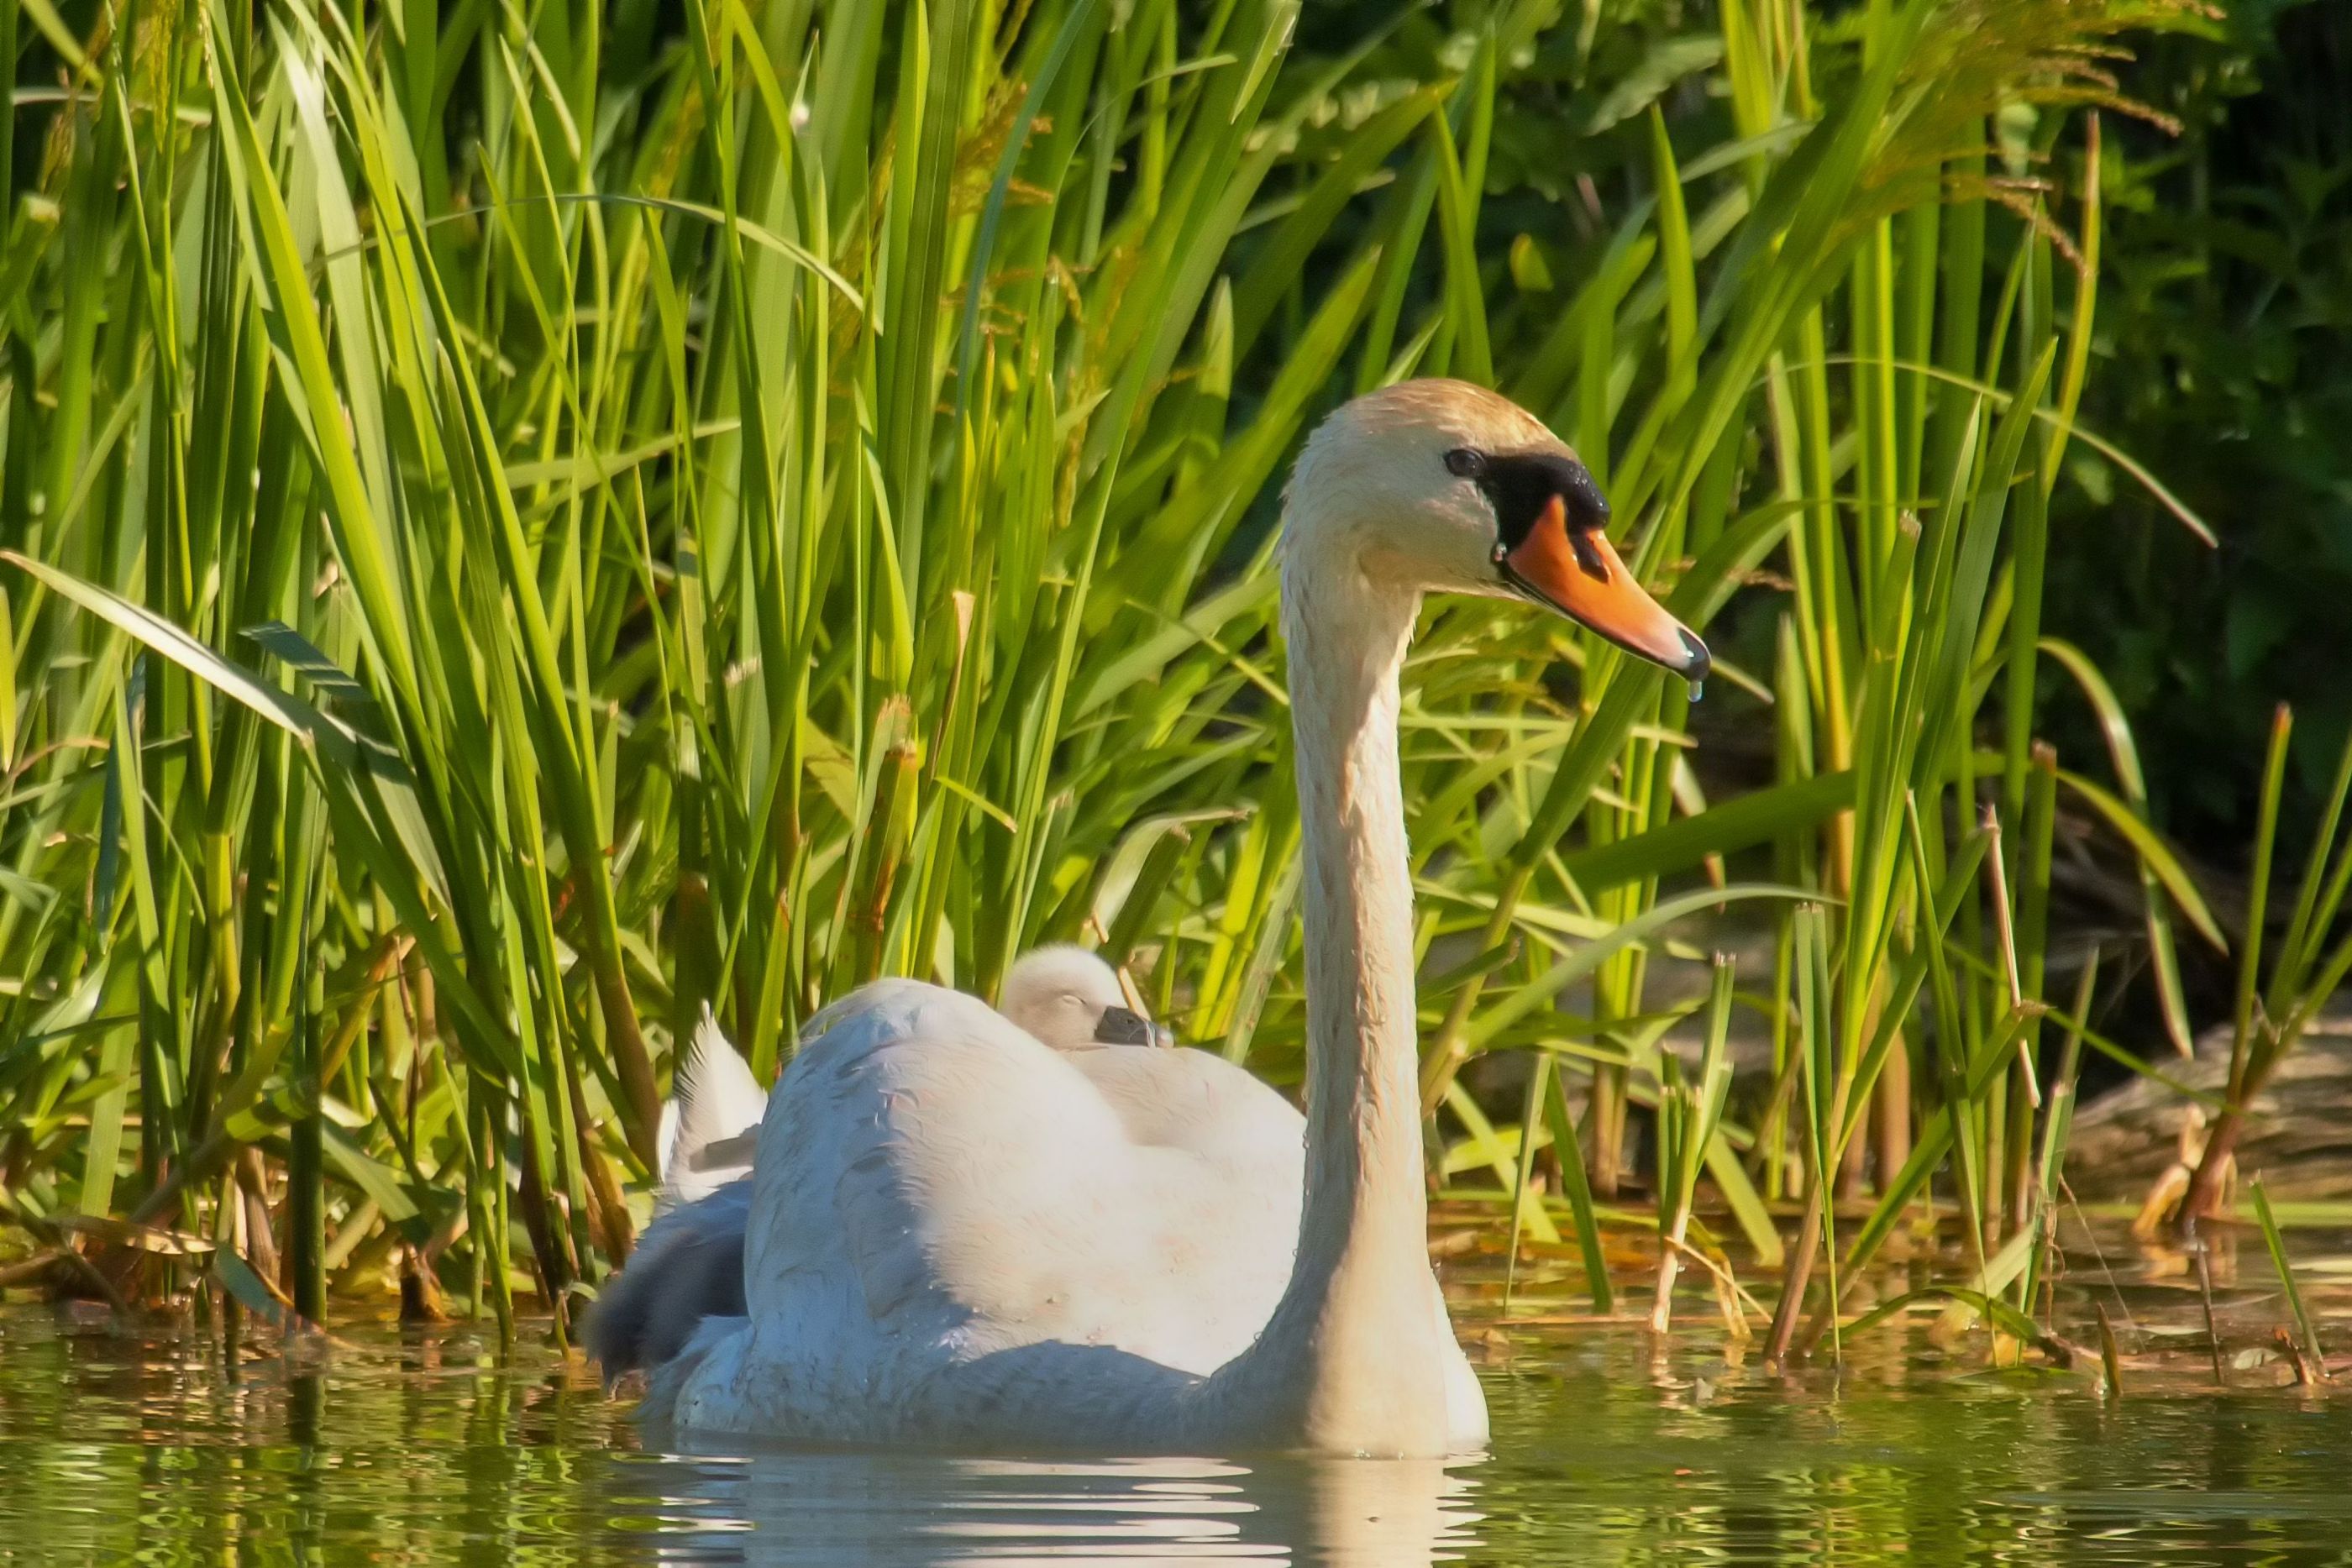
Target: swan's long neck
<point>1354,1354</point>
<point>1364,1184</point>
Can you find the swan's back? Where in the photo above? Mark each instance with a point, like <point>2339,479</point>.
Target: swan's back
<point>689,1264</point>
<point>980,1185</point>
<point>940,1199</point>
<point>1192,1099</point>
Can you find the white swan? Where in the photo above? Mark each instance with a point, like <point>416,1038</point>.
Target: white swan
<point>956,1241</point>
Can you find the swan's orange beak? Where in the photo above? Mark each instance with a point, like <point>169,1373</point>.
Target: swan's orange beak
<point>1579,574</point>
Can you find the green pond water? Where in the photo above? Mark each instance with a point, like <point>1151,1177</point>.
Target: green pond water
<point>394,1446</point>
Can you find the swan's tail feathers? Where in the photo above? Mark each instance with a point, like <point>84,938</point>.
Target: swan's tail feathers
<point>710,1125</point>
<point>688,1270</point>
<point>668,1381</point>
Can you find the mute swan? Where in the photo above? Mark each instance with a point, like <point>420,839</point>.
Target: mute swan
<point>954,1239</point>
<point>688,1264</point>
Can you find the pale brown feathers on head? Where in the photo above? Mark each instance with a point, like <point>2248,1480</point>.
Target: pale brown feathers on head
<point>1468,413</point>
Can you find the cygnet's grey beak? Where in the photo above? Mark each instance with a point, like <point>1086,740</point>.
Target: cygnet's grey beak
<point>1124,1026</point>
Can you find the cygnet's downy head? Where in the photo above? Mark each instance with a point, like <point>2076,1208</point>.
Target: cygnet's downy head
<point>1071,999</point>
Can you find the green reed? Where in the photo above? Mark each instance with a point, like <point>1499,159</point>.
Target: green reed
<point>524,524</point>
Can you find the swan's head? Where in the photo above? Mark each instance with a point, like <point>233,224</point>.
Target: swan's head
<point>1442,487</point>
<point>1071,999</point>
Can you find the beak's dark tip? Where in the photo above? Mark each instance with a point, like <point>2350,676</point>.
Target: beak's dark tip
<point>1698,661</point>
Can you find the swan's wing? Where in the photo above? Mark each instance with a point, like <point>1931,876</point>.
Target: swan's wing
<point>939,1177</point>
<point>1244,1148</point>
<point>685,1267</point>
<point>1199,1102</point>
<point>715,1102</point>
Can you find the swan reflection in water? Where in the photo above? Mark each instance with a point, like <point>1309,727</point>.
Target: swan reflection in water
<point>904,1510</point>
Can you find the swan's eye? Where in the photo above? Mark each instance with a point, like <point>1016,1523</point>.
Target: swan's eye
<point>1465,461</point>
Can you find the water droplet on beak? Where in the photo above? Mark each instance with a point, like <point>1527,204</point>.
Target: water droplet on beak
<point>1697,690</point>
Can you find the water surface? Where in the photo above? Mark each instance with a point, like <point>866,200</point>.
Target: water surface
<point>418,1446</point>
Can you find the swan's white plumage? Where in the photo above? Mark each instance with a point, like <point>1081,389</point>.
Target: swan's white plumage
<point>1187,1100</point>
<point>708,1125</point>
<point>1254,1143</point>
<point>689,1262</point>
<point>938,1191</point>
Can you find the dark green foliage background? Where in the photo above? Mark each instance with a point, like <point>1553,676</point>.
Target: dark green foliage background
<point>2224,360</point>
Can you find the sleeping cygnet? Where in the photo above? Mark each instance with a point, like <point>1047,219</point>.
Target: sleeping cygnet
<point>1072,1000</point>
<point>1191,1100</point>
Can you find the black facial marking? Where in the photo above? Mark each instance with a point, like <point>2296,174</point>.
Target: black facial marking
<point>1520,484</point>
